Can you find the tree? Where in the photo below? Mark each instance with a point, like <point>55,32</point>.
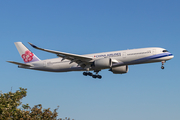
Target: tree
<point>10,110</point>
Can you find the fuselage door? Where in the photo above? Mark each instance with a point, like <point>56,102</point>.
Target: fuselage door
<point>45,64</point>
<point>154,51</point>
<point>124,54</point>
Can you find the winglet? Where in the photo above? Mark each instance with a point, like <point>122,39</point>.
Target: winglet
<point>33,45</point>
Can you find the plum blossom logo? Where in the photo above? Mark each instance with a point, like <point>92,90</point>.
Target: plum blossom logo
<point>28,56</point>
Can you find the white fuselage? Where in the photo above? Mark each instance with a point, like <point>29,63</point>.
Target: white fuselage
<point>119,58</point>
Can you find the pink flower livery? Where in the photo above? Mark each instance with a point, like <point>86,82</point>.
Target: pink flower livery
<point>28,56</point>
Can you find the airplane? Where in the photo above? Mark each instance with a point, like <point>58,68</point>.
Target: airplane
<point>117,61</point>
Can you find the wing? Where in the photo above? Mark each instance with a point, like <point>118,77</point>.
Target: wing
<point>22,64</point>
<point>83,61</point>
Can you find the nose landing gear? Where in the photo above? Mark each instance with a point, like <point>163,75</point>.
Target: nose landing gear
<point>162,67</point>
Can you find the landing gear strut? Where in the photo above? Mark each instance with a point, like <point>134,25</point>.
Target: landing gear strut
<point>162,67</point>
<point>97,76</point>
<point>93,75</point>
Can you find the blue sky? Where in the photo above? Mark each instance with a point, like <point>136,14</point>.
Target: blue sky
<point>145,93</point>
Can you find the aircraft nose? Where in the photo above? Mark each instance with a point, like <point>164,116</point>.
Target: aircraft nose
<point>172,56</point>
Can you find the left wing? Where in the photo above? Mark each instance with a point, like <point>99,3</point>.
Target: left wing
<point>83,61</point>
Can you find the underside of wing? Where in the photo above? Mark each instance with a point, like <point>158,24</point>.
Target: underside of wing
<point>22,64</point>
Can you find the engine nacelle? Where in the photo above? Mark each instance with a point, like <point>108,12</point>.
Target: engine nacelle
<point>120,69</point>
<point>103,63</point>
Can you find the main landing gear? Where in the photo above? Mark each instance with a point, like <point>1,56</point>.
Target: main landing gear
<point>93,75</point>
<point>162,67</point>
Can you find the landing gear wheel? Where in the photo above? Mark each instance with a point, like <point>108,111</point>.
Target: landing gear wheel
<point>89,73</point>
<point>94,76</point>
<point>85,73</point>
<point>162,67</point>
<point>99,76</point>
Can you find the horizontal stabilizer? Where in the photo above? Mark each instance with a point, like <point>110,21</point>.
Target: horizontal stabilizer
<point>22,64</point>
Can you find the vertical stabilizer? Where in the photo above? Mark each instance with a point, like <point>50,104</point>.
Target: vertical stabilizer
<point>26,54</point>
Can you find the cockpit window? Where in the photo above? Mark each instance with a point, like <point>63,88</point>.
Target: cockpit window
<point>165,51</point>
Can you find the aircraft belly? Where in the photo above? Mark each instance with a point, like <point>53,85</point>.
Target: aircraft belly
<point>63,67</point>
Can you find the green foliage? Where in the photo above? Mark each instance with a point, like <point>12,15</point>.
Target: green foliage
<point>9,103</point>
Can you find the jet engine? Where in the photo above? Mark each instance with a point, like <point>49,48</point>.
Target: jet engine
<point>102,63</point>
<point>120,69</point>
